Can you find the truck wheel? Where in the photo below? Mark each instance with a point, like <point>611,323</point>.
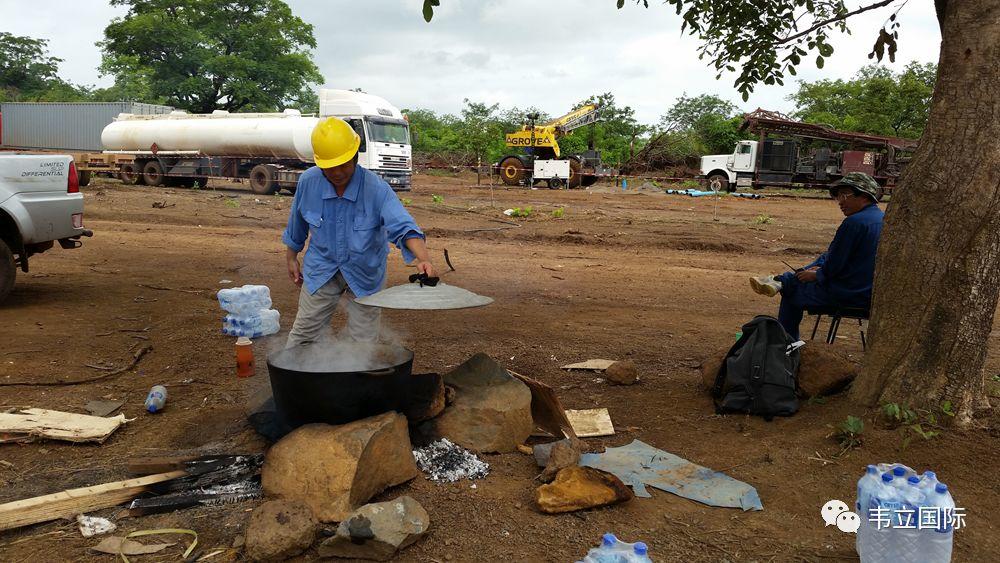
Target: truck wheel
<point>84,177</point>
<point>555,183</point>
<point>263,179</point>
<point>8,271</point>
<point>129,174</point>
<point>719,183</point>
<point>512,171</point>
<point>575,173</point>
<point>152,173</point>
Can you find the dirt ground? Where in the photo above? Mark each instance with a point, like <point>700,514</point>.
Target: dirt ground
<point>640,275</point>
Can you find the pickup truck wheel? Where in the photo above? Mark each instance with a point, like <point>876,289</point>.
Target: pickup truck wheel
<point>263,179</point>
<point>719,183</point>
<point>152,173</point>
<point>8,271</point>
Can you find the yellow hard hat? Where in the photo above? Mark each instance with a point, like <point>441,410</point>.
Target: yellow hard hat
<point>334,142</point>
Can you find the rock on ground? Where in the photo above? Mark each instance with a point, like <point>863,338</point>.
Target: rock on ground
<point>279,529</point>
<point>378,531</point>
<point>565,453</point>
<point>491,411</point>
<point>336,469</point>
<point>622,373</point>
<point>579,488</point>
<point>823,370</point>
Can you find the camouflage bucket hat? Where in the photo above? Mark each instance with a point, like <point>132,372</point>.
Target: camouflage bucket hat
<point>861,183</point>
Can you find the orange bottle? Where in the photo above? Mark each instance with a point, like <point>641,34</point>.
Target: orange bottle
<point>244,357</point>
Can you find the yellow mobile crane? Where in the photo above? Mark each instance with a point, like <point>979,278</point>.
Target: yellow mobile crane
<point>542,159</point>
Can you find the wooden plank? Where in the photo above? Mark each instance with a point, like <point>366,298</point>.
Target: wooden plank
<point>546,410</point>
<point>58,425</point>
<point>592,365</point>
<point>151,465</point>
<point>591,423</point>
<point>71,502</point>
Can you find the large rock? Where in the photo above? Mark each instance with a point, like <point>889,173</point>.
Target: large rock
<point>622,373</point>
<point>279,529</point>
<point>565,453</point>
<point>580,488</point>
<point>378,531</point>
<point>336,469</point>
<point>491,411</point>
<point>822,369</point>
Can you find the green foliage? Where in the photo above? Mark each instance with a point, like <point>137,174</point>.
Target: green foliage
<point>848,433</point>
<point>437,198</point>
<point>518,212</point>
<point>232,203</point>
<point>915,422</point>
<point>617,135</point>
<point>558,213</point>
<point>691,185</point>
<point>203,55</point>
<point>406,201</point>
<point>29,74</point>
<point>876,100</point>
<point>762,219</point>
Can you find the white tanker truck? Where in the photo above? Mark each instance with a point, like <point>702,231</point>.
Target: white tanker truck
<point>270,150</point>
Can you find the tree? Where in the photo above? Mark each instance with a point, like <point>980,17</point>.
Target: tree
<point>203,55</point>
<point>616,135</point>
<point>875,101</point>
<point>937,279</point>
<point>28,73</point>
<point>480,130</point>
<point>713,124</point>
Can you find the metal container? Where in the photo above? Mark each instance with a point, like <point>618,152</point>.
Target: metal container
<point>64,126</point>
<point>303,397</point>
<point>246,135</point>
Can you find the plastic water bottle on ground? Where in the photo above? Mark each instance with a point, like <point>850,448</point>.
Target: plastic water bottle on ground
<point>245,300</point>
<point>156,398</point>
<point>613,550</point>
<point>938,546</point>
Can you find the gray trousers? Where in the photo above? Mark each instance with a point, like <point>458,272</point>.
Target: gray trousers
<point>316,310</point>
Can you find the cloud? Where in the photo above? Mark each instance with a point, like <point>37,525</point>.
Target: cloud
<point>546,54</point>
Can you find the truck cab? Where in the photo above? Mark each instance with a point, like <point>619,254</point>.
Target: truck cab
<point>724,171</point>
<point>385,133</point>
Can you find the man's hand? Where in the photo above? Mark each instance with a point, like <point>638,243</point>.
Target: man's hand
<point>426,268</point>
<point>294,269</point>
<point>807,276</point>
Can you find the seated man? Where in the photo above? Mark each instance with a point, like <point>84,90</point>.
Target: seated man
<point>843,275</point>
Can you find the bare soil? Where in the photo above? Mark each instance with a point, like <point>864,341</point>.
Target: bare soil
<point>657,279</point>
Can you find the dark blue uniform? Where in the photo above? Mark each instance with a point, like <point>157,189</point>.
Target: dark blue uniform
<point>846,271</point>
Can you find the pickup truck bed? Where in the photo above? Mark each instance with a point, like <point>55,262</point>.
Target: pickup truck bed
<point>40,204</point>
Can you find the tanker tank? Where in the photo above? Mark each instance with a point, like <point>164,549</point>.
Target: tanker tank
<point>284,135</point>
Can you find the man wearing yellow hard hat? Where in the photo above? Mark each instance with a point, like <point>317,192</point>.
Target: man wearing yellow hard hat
<point>349,215</point>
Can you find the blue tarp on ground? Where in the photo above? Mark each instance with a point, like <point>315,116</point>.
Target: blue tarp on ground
<point>639,464</point>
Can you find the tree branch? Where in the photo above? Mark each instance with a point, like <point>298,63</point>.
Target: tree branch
<point>834,19</point>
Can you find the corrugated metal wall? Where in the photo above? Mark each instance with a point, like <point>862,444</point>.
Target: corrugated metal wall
<point>64,126</point>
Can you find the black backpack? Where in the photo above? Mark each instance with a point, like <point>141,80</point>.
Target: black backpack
<point>758,375</point>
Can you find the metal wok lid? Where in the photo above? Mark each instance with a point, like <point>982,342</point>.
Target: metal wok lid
<point>424,296</point>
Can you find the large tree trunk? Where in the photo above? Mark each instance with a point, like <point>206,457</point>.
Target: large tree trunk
<point>938,273</point>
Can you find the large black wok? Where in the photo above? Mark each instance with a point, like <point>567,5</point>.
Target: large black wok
<point>303,397</point>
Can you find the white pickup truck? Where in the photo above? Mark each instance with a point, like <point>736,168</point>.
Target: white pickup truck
<point>40,203</point>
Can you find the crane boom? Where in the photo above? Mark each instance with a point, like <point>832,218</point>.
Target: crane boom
<point>583,115</point>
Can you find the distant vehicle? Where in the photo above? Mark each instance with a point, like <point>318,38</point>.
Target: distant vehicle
<point>542,158</point>
<point>40,204</point>
<point>794,154</point>
<point>270,150</point>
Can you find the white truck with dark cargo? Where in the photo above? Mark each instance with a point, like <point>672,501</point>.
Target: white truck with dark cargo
<point>40,204</point>
<point>270,150</point>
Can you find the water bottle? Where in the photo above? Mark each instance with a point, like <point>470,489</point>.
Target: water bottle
<point>928,482</point>
<point>866,484</point>
<point>156,398</point>
<point>938,545</point>
<point>613,550</point>
<point>908,535</point>
<point>874,542</point>
<point>245,300</point>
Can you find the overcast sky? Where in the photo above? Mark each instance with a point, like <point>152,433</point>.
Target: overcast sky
<point>549,54</point>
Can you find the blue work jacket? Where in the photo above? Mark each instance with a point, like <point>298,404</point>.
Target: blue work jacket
<point>847,268</point>
<point>349,233</point>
